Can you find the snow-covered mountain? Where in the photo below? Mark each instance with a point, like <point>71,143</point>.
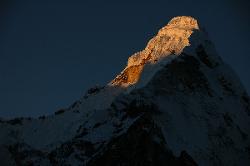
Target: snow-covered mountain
<point>175,103</point>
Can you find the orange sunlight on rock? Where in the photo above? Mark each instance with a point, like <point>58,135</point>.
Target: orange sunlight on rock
<point>170,40</point>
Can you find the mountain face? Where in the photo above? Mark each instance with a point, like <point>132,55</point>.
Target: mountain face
<point>176,103</point>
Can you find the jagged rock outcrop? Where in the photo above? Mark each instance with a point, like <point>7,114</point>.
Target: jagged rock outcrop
<point>171,39</point>
<point>176,103</point>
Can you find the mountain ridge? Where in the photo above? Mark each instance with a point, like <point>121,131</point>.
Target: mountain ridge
<point>175,103</point>
<point>171,39</point>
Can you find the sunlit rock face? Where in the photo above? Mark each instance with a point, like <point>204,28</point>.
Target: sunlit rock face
<point>170,40</point>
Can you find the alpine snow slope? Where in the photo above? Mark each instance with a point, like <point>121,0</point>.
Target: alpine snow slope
<point>176,103</point>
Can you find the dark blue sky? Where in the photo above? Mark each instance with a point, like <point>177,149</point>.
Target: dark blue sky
<point>52,51</point>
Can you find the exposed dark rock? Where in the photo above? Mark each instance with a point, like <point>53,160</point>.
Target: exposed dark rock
<point>226,85</point>
<point>142,145</point>
<point>16,121</point>
<point>60,111</point>
<point>184,72</point>
<point>205,58</point>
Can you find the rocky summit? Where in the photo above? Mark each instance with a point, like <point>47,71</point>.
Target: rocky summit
<point>176,103</point>
<point>171,39</point>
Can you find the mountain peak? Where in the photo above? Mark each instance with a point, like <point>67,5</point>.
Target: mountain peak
<point>170,40</point>
<point>185,106</point>
<point>182,22</point>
